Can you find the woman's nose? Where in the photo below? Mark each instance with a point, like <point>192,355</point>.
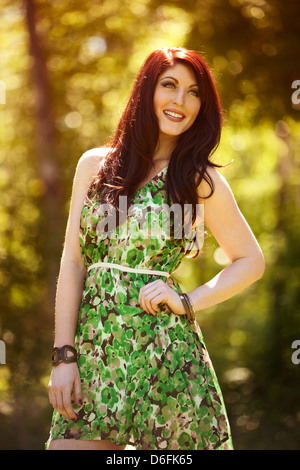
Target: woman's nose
<point>179,96</point>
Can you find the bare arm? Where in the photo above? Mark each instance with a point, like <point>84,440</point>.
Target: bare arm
<point>223,217</point>
<point>65,377</point>
<point>72,269</point>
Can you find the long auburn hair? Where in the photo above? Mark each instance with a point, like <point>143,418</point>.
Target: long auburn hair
<point>130,158</point>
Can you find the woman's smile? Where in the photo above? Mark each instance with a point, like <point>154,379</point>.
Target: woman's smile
<point>174,115</point>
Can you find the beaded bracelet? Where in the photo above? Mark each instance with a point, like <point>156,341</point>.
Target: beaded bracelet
<point>188,307</point>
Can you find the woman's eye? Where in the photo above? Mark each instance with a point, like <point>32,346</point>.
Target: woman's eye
<point>172,85</point>
<point>168,85</point>
<point>195,93</point>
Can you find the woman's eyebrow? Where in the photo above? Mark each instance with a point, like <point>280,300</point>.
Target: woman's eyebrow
<point>175,80</point>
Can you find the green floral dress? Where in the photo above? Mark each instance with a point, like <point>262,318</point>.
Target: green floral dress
<point>147,381</point>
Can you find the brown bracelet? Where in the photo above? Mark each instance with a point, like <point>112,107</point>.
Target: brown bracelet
<point>191,308</point>
<point>60,355</point>
<point>188,307</point>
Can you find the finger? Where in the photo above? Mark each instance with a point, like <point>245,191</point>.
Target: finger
<point>145,303</point>
<point>146,288</point>
<point>59,402</point>
<point>68,409</point>
<point>77,391</point>
<point>152,300</point>
<point>52,398</point>
<point>156,302</point>
<point>148,292</point>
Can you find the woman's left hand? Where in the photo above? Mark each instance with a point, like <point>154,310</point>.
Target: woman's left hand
<point>158,292</point>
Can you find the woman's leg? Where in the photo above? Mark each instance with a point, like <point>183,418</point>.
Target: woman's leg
<point>78,444</point>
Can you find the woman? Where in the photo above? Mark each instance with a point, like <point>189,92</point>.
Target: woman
<point>141,373</point>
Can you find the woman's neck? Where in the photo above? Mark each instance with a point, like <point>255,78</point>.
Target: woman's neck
<point>164,149</point>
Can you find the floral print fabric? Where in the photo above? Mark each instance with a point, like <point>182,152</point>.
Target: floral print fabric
<point>146,381</point>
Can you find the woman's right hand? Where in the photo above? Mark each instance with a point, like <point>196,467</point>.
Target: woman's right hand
<point>65,383</point>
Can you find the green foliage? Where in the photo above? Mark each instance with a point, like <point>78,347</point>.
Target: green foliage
<point>90,52</point>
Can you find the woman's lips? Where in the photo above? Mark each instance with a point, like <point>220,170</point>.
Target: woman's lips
<point>173,115</point>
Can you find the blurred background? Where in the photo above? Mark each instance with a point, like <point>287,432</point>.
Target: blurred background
<point>66,71</point>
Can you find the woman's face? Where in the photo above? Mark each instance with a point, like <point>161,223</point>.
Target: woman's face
<point>176,100</point>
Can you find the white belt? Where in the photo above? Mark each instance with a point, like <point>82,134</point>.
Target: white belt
<point>127,268</point>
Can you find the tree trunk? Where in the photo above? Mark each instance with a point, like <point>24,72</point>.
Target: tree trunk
<point>45,157</point>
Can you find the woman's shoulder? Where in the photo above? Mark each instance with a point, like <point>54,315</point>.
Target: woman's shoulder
<point>93,156</point>
<point>91,160</point>
<point>214,180</point>
<point>88,167</point>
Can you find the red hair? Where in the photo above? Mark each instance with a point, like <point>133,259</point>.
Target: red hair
<point>134,141</point>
